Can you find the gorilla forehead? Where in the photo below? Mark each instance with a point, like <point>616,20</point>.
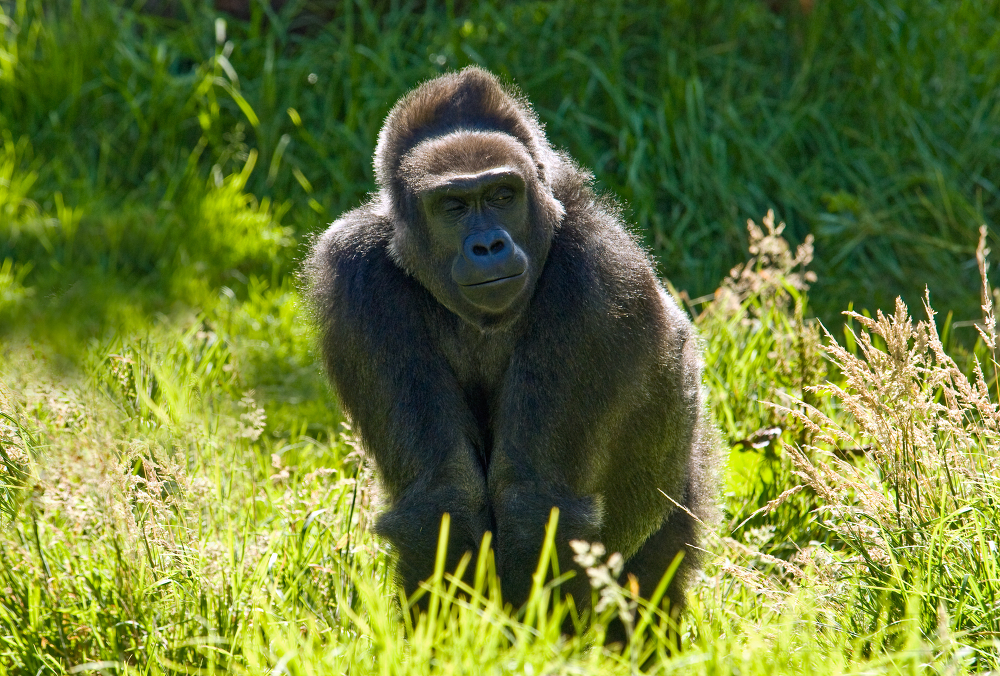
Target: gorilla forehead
<point>462,153</point>
<point>471,99</point>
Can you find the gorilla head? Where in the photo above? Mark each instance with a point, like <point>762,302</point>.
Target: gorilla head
<point>474,214</point>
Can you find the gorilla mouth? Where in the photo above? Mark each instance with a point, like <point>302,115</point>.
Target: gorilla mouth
<point>492,281</point>
<point>494,295</point>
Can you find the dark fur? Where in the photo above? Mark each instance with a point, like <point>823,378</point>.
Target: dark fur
<point>585,395</point>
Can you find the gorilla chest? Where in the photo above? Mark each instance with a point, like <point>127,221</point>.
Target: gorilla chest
<point>479,363</point>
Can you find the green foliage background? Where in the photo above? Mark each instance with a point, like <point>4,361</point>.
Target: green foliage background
<point>177,491</point>
<point>872,125</point>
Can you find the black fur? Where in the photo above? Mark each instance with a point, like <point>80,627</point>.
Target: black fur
<point>584,393</point>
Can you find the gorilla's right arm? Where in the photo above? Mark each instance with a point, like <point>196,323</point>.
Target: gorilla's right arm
<point>399,392</point>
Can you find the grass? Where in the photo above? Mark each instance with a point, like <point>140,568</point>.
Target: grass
<point>178,490</point>
<point>161,517</point>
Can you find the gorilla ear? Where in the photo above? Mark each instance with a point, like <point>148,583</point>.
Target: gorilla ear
<point>550,209</point>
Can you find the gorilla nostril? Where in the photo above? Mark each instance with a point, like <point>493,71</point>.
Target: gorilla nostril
<point>488,247</point>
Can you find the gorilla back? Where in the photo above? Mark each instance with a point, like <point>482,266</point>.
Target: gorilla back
<point>503,346</point>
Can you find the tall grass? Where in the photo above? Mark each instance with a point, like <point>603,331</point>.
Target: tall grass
<point>877,486</point>
<point>166,518</point>
<point>916,507</point>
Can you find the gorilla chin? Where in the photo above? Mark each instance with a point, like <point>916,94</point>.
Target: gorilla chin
<point>494,295</point>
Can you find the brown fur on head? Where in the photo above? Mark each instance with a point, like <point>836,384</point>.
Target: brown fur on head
<point>469,100</point>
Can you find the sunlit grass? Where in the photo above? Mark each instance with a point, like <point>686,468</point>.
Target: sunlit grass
<point>163,519</point>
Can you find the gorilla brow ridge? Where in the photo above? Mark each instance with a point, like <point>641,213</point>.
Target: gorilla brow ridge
<point>461,151</point>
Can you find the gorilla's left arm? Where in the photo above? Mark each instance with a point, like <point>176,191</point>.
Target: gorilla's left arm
<point>598,404</point>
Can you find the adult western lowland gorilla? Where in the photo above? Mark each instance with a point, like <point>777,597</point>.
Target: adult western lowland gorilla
<point>502,346</point>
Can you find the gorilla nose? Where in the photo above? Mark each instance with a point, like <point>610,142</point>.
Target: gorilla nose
<point>487,248</point>
<point>490,269</point>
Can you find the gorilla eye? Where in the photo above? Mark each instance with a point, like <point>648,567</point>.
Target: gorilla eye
<point>502,195</point>
<point>453,206</point>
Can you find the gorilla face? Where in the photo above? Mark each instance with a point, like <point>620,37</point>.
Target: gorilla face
<point>478,224</point>
<point>482,219</point>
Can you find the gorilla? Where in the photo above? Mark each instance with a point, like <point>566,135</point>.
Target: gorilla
<point>503,346</point>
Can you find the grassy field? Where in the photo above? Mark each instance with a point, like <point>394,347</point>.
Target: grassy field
<point>178,490</point>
